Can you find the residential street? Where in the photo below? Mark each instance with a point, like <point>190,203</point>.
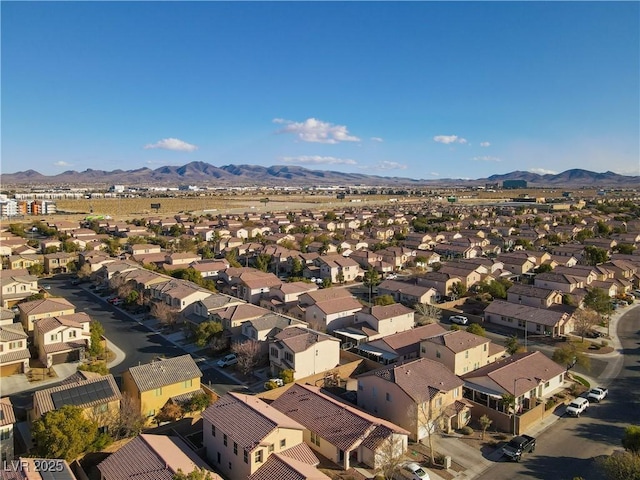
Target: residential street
<point>567,448</point>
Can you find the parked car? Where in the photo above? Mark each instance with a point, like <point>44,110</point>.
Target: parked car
<point>414,471</point>
<point>227,360</point>
<point>593,334</point>
<point>518,446</point>
<point>46,287</point>
<point>577,406</point>
<point>114,300</point>
<point>459,319</point>
<point>597,394</point>
<point>117,302</point>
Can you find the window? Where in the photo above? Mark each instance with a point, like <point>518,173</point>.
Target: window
<point>5,434</point>
<point>213,430</point>
<point>258,456</point>
<point>456,392</point>
<point>218,457</point>
<point>466,354</point>
<point>388,396</point>
<point>274,352</point>
<point>246,457</point>
<point>151,413</point>
<point>224,439</point>
<point>423,350</point>
<point>188,383</point>
<point>72,333</point>
<point>288,356</point>
<point>230,466</point>
<point>360,387</point>
<point>315,439</point>
<point>271,448</point>
<point>283,443</point>
<point>546,385</point>
<point>485,347</point>
<point>235,448</point>
<point>54,337</point>
<point>437,353</point>
<point>158,392</point>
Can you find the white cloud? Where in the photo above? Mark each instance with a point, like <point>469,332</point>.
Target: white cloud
<point>318,160</point>
<point>62,163</point>
<point>542,171</point>
<point>485,144</point>
<point>434,174</point>
<point>387,165</point>
<point>174,144</point>
<point>316,131</point>
<point>486,158</point>
<point>447,139</point>
<point>377,139</point>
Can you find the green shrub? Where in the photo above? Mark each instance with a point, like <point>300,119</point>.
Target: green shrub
<point>604,343</point>
<point>466,430</point>
<point>550,403</point>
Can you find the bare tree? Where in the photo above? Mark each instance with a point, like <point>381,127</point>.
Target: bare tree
<point>126,288</point>
<point>428,313</point>
<point>163,312</point>
<point>129,421</point>
<point>248,355</point>
<point>390,456</point>
<point>85,271</point>
<point>429,417</point>
<point>584,319</point>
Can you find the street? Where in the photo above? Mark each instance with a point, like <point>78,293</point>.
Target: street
<point>568,448</point>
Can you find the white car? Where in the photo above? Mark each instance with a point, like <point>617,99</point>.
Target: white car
<point>227,360</point>
<point>414,472</point>
<point>597,394</point>
<point>577,406</point>
<point>459,319</point>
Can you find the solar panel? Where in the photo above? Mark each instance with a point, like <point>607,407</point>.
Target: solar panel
<point>83,394</point>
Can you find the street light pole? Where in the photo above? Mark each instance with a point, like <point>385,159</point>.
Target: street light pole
<point>515,397</point>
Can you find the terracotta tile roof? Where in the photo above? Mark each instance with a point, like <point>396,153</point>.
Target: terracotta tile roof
<point>415,377</point>
<point>66,346</point>
<point>103,386</point>
<point>540,316</point>
<point>164,372</point>
<point>7,415</point>
<point>151,457</point>
<point>339,305</point>
<point>382,312</point>
<point>14,356</point>
<point>324,295</point>
<point>45,305</point>
<point>246,419</point>
<point>282,467</point>
<point>458,341</point>
<point>14,331</point>
<point>408,338</point>
<point>530,368</point>
<point>339,424</point>
<point>243,311</point>
<point>299,339</point>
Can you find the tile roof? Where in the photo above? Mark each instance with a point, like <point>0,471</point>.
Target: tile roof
<point>14,356</point>
<point>415,377</point>
<point>339,305</point>
<point>246,419</point>
<point>14,331</point>
<point>339,424</point>
<point>529,291</point>
<point>299,339</point>
<point>530,368</point>
<point>283,467</point>
<point>45,305</point>
<point>164,372</point>
<point>382,312</point>
<point>458,340</point>
<point>542,316</point>
<point>151,457</point>
<point>7,415</point>
<point>66,346</point>
<point>104,387</point>
<point>408,338</point>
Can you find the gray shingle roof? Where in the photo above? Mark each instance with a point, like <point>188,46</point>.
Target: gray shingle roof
<point>164,372</point>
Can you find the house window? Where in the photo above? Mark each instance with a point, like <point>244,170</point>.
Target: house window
<point>315,439</point>
<point>54,337</point>
<point>456,392</point>
<point>546,385</point>
<point>283,443</point>
<point>235,448</point>
<point>388,396</point>
<point>188,383</point>
<point>437,353</point>
<point>5,434</point>
<point>213,430</point>
<point>13,345</point>
<point>224,439</point>
<point>271,448</point>
<point>230,466</point>
<point>72,334</point>
<point>158,392</point>
<point>360,387</point>
<point>423,350</point>
<point>274,352</point>
<point>288,356</point>
<point>258,456</point>
<point>466,354</point>
<point>151,413</point>
<point>485,347</point>
<point>246,457</point>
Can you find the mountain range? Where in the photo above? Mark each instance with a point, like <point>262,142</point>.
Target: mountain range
<point>204,174</point>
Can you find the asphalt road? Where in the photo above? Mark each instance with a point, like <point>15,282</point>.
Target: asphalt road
<point>568,448</point>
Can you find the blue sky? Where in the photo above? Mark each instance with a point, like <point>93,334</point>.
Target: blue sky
<point>416,89</point>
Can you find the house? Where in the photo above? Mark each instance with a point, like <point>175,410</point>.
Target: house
<point>558,281</point>
<point>533,296</point>
<point>399,346</point>
<point>59,262</point>
<point>408,293</point>
<point>540,321</point>
<point>151,385</point>
<point>34,310</point>
<point>460,351</point>
<point>209,268</point>
<point>338,269</point>
<point>338,431</point>
<point>24,261</point>
<point>14,350</point>
<point>297,463</point>
<point>385,319</point>
<point>530,377</point>
<point>202,310</point>
<point>157,457</point>
<point>16,287</point>
<point>252,286</point>
<point>440,282</point>
<point>267,326</point>
<point>518,263</point>
<point>467,273</point>
<point>232,317</point>
<point>330,308</point>
<point>415,395</point>
<point>178,294</point>
<point>63,338</point>
<point>97,396</point>
<point>241,432</point>
<point>7,419</point>
<point>304,351</point>
<point>144,248</point>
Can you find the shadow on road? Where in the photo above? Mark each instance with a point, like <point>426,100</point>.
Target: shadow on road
<point>545,467</point>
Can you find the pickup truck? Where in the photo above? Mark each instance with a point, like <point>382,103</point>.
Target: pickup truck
<point>518,446</point>
<point>577,406</point>
<point>597,394</point>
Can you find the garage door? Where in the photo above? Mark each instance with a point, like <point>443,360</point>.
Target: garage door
<point>66,357</point>
<point>7,370</point>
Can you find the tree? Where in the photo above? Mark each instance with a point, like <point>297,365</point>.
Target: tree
<point>631,439</point>
<point>598,300</point>
<point>428,313</point>
<point>262,262</point>
<point>584,319</point>
<point>296,267</point>
<point>625,248</point>
<point>370,280</point>
<point>567,355</point>
<point>390,456</point>
<point>428,416</point>
<point>384,300</point>
<point>195,474</point>
<point>96,367</point>
<point>485,423</point>
<point>205,331</point>
<point>50,249</point>
<point>620,466</point>
<point>513,345</point>
<point>476,329</point>
<point>69,246</point>
<point>248,353</point>
<point>545,267</point>
<point>197,403</point>
<point>133,297</point>
<point>458,290</point>
<point>129,421</point>
<point>163,312</point>
<point>340,277</point>
<point>64,433</point>
<point>97,331</point>
<point>85,271</point>
<point>188,274</point>
<point>113,246</point>
<point>36,269</point>
<point>169,413</point>
<point>595,255</point>
<point>326,282</point>
<point>287,376</point>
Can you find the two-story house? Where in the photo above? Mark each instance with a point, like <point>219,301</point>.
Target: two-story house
<point>63,338</point>
<point>34,310</point>
<point>16,287</point>
<point>59,262</point>
<point>304,351</point>
<point>338,431</point>
<point>338,269</point>
<point>419,395</point>
<point>539,321</point>
<point>533,296</point>
<point>408,293</point>
<point>241,433</point>
<point>330,308</point>
<point>385,319</point>
<point>14,351</point>
<point>151,385</point>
